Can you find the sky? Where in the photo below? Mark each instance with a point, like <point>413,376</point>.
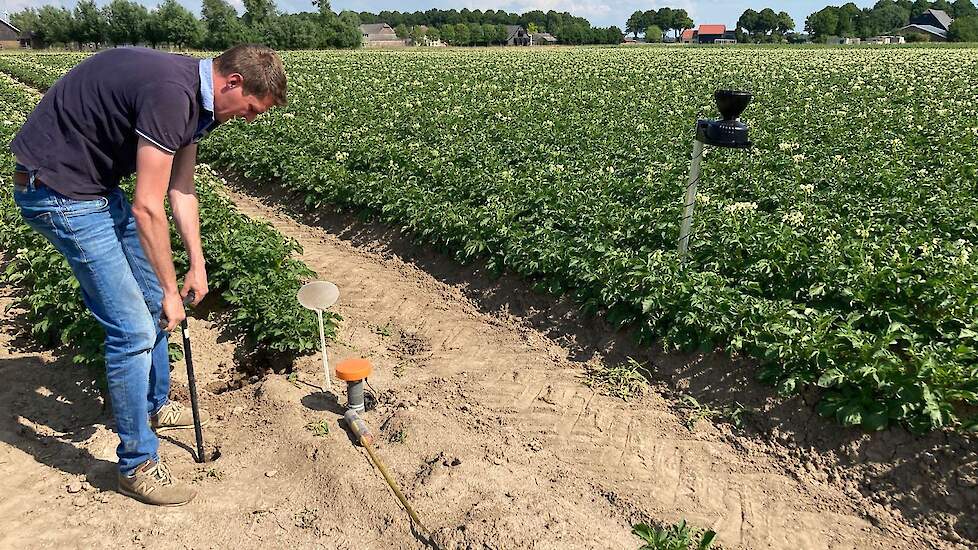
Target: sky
<point>601,13</point>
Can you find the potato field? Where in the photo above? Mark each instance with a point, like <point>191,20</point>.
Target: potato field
<point>839,251</point>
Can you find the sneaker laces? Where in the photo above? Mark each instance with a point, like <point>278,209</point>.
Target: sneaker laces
<point>161,473</point>
<point>160,476</point>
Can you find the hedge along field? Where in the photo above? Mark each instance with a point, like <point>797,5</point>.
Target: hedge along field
<point>838,251</point>
<point>249,264</point>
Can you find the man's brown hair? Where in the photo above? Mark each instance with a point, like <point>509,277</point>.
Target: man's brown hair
<point>259,66</point>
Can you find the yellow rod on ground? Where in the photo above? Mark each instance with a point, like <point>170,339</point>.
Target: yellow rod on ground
<point>393,485</point>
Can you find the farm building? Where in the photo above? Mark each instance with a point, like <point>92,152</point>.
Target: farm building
<point>543,39</point>
<point>380,35</point>
<point>517,36</point>
<point>886,40</point>
<point>843,41</point>
<point>708,34</point>
<point>30,39</point>
<point>425,40</point>
<point>632,41</point>
<point>932,23</point>
<point>9,35</point>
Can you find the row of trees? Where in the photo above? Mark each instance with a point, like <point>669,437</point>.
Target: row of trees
<point>653,23</point>
<point>483,27</point>
<point>551,20</point>
<point>128,22</point>
<point>764,26</point>
<point>888,15</point>
<point>847,21</point>
<point>220,26</point>
<point>474,34</point>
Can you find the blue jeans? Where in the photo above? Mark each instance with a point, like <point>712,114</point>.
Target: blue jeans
<point>99,240</point>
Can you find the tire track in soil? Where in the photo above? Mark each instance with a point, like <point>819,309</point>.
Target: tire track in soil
<point>612,462</point>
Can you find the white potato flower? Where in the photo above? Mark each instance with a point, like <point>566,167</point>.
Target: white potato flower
<point>740,207</point>
<point>794,218</point>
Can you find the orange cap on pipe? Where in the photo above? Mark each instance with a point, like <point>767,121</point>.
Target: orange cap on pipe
<point>352,370</point>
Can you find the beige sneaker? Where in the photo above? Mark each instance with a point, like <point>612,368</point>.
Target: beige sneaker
<point>174,416</point>
<point>151,483</point>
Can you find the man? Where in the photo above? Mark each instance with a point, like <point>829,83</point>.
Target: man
<point>118,112</point>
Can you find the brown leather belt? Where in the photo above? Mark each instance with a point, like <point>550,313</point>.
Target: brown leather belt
<point>21,179</point>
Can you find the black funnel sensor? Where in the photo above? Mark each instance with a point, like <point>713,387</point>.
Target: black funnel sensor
<point>729,132</point>
<point>731,103</point>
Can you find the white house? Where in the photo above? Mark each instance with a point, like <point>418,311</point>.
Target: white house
<point>380,35</point>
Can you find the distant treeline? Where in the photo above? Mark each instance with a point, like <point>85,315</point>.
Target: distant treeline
<point>127,22</point>
<point>653,23</point>
<point>888,15</point>
<point>764,26</point>
<point>489,34</point>
<point>848,20</point>
<point>483,27</point>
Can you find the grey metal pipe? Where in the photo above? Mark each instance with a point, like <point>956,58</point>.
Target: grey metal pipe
<point>354,396</point>
<point>690,200</point>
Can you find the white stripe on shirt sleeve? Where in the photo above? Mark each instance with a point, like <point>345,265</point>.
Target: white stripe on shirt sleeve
<point>154,142</point>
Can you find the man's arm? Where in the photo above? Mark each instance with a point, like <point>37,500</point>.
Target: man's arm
<point>153,167</point>
<point>183,201</point>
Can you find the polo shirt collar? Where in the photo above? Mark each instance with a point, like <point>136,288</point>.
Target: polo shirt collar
<point>206,120</point>
<point>207,84</point>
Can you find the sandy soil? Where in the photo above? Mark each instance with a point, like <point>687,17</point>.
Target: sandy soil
<point>483,417</point>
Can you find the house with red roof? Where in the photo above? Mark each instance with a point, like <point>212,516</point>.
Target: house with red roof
<point>708,34</point>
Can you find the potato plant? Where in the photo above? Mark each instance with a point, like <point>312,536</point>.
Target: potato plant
<point>839,251</point>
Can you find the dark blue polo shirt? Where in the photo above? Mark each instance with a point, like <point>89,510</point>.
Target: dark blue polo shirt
<point>81,138</point>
